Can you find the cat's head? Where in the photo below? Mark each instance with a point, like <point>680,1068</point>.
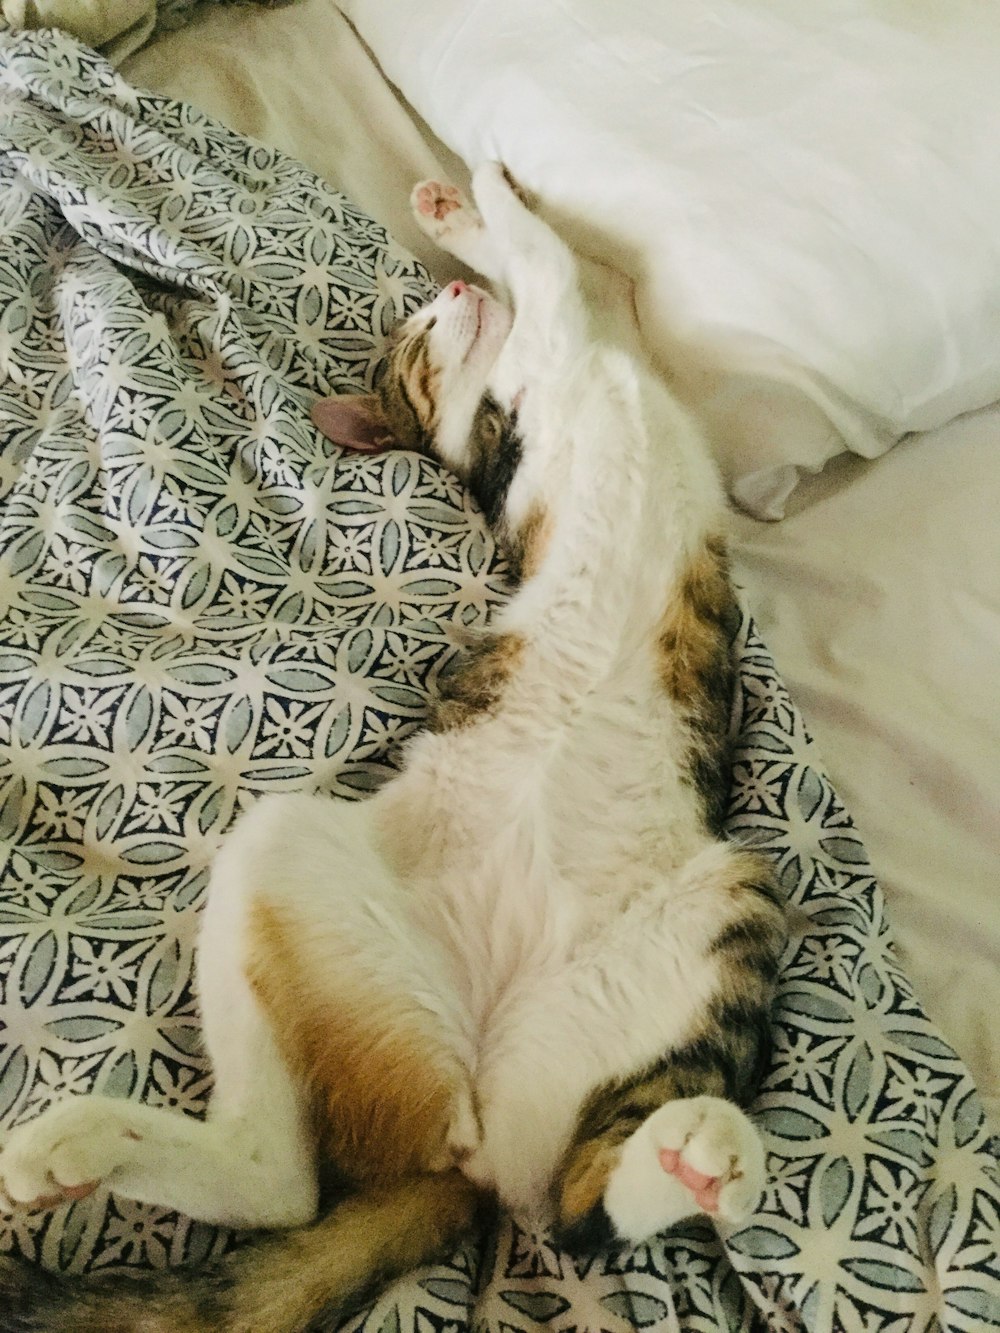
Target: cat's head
<point>437,395</point>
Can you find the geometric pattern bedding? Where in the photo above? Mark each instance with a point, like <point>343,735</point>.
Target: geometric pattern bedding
<point>202,601</point>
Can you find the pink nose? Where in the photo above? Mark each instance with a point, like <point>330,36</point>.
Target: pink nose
<point>457,287</point>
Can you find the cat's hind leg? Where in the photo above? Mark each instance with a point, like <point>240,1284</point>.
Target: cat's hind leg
<point>692,1155</point>
<point>249,1164</point>
<point>323,1017</point>
<point>252,1170</point>
<point>364,995</point>
<point>670,1139</point>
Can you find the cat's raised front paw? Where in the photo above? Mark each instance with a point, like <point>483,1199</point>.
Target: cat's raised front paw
<point>64,1154</point>
<point>433,199</point>
<point>694,1155</point>
<point>442,209</point>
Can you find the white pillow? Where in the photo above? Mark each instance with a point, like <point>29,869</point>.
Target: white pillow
<point>808,194</point>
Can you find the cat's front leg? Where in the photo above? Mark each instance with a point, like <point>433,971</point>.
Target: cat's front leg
<point>503,239</point>
<point>535,263</point>
<point>448,217</point>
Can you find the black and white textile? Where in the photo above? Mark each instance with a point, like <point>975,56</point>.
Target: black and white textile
<point>201,600</point>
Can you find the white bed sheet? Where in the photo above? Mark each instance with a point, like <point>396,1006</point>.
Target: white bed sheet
<point>880,599</point>
<point>805,194</point>
<point>879,594</point>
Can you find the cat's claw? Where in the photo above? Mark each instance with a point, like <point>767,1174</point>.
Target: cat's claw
<point>694,1155</point>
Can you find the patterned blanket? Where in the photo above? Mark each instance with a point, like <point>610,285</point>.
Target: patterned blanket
<point>202,601</point>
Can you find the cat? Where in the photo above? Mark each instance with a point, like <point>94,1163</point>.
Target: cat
<point>530,969</point>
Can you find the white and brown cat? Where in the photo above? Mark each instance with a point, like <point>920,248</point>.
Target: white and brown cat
<point>530,969</point>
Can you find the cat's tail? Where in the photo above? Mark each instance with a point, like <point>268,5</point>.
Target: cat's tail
<point>281,1283</point>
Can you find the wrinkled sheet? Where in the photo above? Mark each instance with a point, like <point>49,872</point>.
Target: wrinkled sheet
<point>204,601</point>
<point>880,599</point>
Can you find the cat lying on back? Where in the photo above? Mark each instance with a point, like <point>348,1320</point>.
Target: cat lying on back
<point>529,969</point>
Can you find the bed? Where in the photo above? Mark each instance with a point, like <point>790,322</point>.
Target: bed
<point>204,602</point>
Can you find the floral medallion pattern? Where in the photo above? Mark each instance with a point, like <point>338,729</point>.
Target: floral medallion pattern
<point>202,601</point>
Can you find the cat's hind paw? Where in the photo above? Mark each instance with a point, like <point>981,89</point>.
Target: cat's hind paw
<point>65,1154</point>
<point>697,1155</point>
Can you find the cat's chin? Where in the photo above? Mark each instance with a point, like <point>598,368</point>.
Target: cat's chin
<point>470,325</point>
<point>493,322</point>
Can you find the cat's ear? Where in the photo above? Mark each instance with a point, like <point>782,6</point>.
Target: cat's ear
<point>354,422</point>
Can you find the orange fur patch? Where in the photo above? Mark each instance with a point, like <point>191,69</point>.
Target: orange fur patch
<point>409,390</point>
<point>381,1093</point>
<point>585,1178</point>
<point>474,689</point>
<point>692,631</point>
<point>533,541</point>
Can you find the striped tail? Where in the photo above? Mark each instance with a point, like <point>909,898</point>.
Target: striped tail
<point>280,1284</point>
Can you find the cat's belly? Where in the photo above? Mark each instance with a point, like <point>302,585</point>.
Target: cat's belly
<point>554,1038</point>
<point>619,807</point>
<point>525,897</point>
<point>512,958</point>
<point>527,1112</point>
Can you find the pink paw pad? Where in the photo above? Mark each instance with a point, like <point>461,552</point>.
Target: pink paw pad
<point>704,1188</point>
<point>437,201</point>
